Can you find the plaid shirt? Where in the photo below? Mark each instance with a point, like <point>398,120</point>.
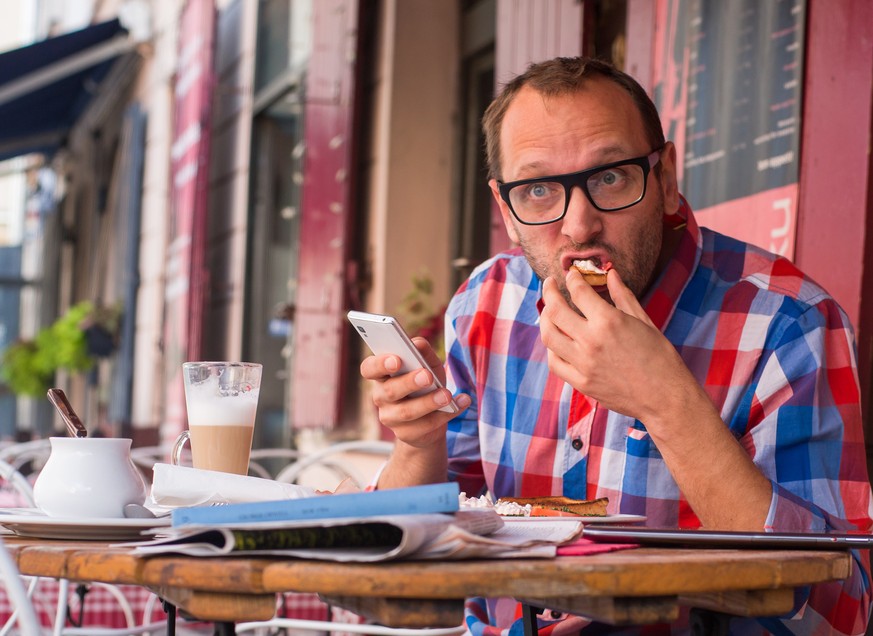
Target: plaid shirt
<point>775,353</point>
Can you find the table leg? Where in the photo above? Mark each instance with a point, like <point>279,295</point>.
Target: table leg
<point>705,622</point>
<point>529,616</point>
<point>221,628</point>
<point>170,609</point>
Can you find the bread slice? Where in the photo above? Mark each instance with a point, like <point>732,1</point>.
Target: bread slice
<point>585,508</point>
<point>592,274</point>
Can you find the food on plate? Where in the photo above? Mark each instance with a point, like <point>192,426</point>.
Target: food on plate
<point>538,506</point>
<point>560,506</point>
<point>503,508</point>
<point>591,272</point>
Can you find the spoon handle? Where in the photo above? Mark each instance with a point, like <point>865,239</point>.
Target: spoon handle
<point>59,399</point>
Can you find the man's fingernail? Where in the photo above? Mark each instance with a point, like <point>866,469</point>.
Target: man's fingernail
<point>440,398</point>
<point>392,364</point>
<point>463,400</point>
<point>422,378</point>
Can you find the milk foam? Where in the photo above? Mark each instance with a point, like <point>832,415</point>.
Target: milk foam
<point>224,411</point>
<point>210,403</point>
<point>207,407</point>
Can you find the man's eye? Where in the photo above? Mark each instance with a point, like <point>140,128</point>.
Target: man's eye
<point>608,178</point>
<point>540,190</point>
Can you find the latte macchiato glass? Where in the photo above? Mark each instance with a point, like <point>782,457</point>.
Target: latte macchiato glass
<point>222,398</point>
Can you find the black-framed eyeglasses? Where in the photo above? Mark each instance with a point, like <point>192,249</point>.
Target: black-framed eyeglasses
<point>610,187</point>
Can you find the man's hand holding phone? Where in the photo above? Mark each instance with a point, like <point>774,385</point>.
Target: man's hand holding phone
<point>408,381</point>
<point>415,419</point>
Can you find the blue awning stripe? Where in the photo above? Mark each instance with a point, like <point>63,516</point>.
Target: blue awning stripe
<point>45,87</point>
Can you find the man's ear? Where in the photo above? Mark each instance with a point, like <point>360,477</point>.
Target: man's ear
<point>508,219</point>
<point>668,179</point>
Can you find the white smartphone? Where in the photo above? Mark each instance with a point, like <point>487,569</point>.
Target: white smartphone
<point>383,334</point>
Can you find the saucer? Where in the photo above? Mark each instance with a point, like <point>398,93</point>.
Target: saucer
<point>31,522</point>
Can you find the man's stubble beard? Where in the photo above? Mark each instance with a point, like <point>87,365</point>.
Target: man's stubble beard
<point>637,268</point>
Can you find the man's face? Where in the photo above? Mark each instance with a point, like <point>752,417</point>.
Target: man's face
<point>558,135</point>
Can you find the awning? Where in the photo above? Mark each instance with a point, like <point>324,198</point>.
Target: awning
<point>45,87</point>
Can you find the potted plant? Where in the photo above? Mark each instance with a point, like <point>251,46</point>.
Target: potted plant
<point>100,326</point>
<point>25,369</point>
<point>418,313</point>
<point>65,341</point>
<point>72,342</point>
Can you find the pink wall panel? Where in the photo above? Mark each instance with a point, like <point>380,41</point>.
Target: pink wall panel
<point>836,172</point>
<point>327,214</point>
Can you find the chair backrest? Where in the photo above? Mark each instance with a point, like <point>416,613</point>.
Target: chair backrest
<point>263,462</point>
<point>27,457</point>
<point>17,485</point>
<point>339,458</point>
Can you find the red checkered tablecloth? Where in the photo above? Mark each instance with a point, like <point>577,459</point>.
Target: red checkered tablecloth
<point>102,609</point>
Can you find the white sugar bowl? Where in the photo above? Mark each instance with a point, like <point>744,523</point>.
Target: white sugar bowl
<point>88,477</point>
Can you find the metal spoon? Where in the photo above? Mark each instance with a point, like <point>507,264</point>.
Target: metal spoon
<point>136,511</point>
<point>74,425</point>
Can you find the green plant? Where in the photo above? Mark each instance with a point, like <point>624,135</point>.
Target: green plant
<point>24,369</point>
<point>418,314</point>
<point>28,366</point>
<point>64,341</point>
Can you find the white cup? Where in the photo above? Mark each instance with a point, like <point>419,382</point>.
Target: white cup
<point>222,399</point>
<point>88,477</point>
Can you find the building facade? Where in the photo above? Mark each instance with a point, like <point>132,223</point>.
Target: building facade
<point>272,164</point>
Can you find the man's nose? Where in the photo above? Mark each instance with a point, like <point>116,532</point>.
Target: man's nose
<point>583,221</point>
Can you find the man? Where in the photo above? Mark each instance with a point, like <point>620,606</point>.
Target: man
<point>708,383</point>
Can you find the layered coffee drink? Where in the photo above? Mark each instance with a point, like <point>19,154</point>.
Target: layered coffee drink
<point>221,434</point>
<point>222,399</point>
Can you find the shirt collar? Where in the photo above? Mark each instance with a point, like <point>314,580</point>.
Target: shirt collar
<point>661,300</point>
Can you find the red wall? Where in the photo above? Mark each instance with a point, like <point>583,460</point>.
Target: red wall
<point>836,170</point>
<point>320,326</point>
<point>835,205</point>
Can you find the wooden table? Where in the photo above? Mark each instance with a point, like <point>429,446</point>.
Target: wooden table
<point>627,587</point>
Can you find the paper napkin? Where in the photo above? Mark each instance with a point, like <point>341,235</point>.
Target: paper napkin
<point>174,486</point>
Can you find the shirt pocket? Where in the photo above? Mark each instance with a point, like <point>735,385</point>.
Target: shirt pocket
<point>639,443</point>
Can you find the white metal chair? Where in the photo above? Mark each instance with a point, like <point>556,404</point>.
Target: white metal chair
<point>32,454</point>
<point>261,457</point>
<point>21,485</point>
<point>24,615</point>
<point>336,457</point>
<point>351,628</point>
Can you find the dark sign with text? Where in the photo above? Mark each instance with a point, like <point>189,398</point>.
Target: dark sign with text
<point>728,84</point>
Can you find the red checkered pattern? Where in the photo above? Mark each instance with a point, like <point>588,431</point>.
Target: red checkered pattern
<point>303,606</point>
<point>102,609</point>
<point>774,353</point>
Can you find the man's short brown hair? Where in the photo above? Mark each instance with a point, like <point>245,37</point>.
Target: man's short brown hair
<point>562,76</point>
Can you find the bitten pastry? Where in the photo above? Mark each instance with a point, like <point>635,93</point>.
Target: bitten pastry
<point>591,272</point>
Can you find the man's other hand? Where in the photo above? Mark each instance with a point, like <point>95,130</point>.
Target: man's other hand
<point>612,353</point>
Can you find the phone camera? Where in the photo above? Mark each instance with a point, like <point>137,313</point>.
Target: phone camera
<point>361,329</point>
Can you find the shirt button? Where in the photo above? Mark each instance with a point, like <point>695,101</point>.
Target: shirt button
<point>577,444</point>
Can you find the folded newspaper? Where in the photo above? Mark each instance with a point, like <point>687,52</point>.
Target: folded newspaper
<point>465,534</point>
